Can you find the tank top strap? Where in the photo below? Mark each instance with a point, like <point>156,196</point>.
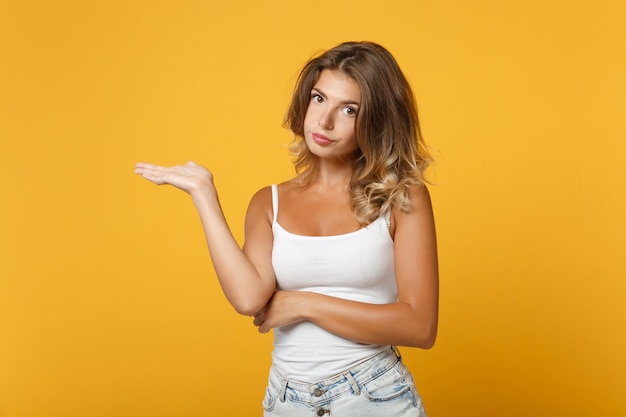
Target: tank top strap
<point>275,202</point>
<point>387,216</point>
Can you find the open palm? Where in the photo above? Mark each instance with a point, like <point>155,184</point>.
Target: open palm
<point>190,177</point>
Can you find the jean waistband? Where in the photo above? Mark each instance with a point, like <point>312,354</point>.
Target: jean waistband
<point>355,376</point>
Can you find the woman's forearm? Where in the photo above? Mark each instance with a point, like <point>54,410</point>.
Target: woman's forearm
<point>397,323</point>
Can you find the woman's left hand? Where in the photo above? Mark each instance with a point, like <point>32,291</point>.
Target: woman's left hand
<point>284,308</point>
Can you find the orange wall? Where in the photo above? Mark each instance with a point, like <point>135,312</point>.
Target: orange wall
<point>108,304</point>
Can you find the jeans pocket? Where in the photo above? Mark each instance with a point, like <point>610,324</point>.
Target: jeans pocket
<point>387,386</point>
<point>270,398</point>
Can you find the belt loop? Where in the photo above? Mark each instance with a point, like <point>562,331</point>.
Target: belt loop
<point>397,352</point>
<point>353,384</point>
<point>283,391</point>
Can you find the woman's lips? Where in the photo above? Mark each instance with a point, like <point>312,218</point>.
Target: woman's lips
<point>321,139</point>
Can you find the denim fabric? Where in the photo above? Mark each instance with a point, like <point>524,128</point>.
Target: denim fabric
<point>379,386</point>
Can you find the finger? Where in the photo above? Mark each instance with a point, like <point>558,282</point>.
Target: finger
<point>155,173</point>
<point>142,167</point>
<point>261,311</point>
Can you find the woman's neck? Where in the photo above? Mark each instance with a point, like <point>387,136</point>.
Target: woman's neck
<point>333,175</point>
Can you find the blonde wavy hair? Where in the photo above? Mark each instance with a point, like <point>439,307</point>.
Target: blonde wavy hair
<point>392,155</point>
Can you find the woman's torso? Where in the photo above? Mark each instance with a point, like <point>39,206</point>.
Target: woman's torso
<point>356,265</point>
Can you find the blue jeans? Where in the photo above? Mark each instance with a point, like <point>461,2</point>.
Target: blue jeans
<point>378,386</point>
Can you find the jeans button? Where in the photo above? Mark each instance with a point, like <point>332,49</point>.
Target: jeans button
<point>318,392</point>
<point>321,412</point>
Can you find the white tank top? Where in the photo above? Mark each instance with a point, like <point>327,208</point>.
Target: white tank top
<point>357,266</point>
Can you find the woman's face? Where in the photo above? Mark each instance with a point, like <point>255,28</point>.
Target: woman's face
<point>329,124</point>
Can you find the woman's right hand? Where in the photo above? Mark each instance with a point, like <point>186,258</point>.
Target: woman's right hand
<point>191,177</point>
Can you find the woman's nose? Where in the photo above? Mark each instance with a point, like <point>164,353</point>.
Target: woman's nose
<point>325,120</point>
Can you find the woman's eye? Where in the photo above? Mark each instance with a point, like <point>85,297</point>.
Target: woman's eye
<point>349,111</point>
<point>317,98</point>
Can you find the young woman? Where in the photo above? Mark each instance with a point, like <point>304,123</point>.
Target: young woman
<point>340,261</point>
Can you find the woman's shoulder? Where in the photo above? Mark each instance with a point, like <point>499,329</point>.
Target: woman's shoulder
<point>419,195</point>
<point>262,199</point>
<point>261,203</point>
<point>419,206</point>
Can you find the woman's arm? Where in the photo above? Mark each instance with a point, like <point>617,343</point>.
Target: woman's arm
<point>246,276</point>
<point>411,321</point>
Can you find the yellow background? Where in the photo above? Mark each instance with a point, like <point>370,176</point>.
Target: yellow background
<point>108,303</point>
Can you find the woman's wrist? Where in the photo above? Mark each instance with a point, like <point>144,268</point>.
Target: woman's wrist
<point>204,194</point>
<point>307,306</point>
